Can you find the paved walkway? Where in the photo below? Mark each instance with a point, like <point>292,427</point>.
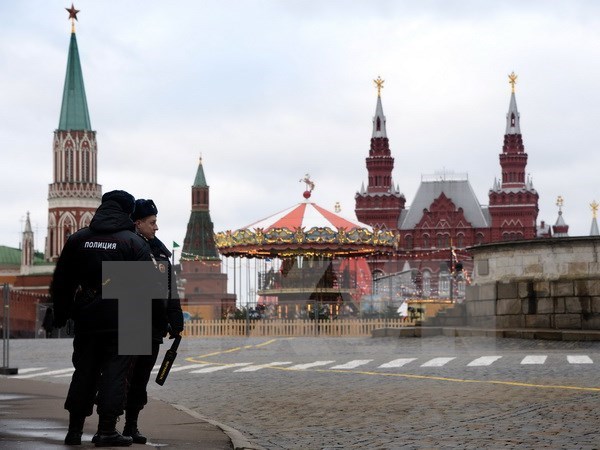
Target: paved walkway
<point>32,417</point>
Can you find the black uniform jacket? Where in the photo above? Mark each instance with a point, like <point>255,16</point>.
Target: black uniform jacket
<point>166,315</point>
<point>76,289</point>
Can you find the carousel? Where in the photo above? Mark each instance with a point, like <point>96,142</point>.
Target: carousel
<point>309,258</point>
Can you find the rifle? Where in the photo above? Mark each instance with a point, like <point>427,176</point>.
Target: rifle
<point>167,363</point>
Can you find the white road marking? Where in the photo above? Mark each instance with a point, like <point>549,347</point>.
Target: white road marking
<point>534,359</point>
<point>309,365</point>
<point>187,367</point>
<point>352,364</point>
<point>484,361</point>
<point>217,368</point>
<point>437,362</point>
<point>30,369</point>
<point>263,366</point>
<point>579,359</point>
<point>396,363</point>
<point>52,372</point>
<point>31,372</point>
<point>157,368</point>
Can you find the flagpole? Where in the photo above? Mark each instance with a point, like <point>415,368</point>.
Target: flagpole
<point>174,246</point>
<point>451,272</point>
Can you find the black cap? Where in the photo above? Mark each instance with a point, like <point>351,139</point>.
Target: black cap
<point>123,198</point>
<point>144,208</point>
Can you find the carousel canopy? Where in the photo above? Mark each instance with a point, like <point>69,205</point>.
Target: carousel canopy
<point>307,215</point>
<point>307,229</point>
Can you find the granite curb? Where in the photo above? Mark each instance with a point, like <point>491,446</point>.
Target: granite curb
<point>515,333</point>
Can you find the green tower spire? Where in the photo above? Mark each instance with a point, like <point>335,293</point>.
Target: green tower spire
<point>199,242</point>
<point>200,180</point>
<point>74,113</point>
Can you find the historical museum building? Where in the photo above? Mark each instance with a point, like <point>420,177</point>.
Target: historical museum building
<point>445,216</point>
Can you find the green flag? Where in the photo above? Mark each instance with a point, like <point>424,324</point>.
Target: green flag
<point>175,244</point>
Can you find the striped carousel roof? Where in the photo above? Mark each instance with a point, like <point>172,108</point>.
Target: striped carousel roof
<point>307,215</point>
<point>305,228</point>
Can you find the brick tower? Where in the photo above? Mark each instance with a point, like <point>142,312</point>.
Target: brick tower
<point>205,285</point>
<point>560,228</point>
<point>513,204</point>
<point>74,193</point>
<point>380,204</point>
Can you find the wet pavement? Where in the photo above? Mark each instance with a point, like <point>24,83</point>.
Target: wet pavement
<point>32,417</point>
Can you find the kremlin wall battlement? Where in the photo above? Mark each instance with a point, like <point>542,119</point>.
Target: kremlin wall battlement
<point>537,284</point>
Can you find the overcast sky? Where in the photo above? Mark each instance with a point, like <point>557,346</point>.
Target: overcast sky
<point>267,91</point>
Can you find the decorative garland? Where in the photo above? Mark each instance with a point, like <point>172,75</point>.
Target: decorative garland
<point>298,236</point>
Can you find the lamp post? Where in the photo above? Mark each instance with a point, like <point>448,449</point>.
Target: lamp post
<point>5,369</point>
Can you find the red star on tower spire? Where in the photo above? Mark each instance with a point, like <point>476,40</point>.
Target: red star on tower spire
<point>72,16</point>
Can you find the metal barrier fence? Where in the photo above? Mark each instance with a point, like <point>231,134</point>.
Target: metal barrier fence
<point>282,327</point>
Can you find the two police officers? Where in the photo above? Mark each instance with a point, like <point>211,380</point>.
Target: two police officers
<point>76,291</point>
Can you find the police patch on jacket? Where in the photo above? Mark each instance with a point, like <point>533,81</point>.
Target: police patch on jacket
<point>162,267</point>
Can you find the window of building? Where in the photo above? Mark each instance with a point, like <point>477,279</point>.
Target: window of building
<point>443,240</point>
<point>426,283</point>
<point>444,284</point>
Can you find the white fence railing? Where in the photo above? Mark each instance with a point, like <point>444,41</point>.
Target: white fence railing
<point>282,327</point>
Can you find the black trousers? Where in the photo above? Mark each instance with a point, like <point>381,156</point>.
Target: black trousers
<point>138,381</point>
<point>99,369</point>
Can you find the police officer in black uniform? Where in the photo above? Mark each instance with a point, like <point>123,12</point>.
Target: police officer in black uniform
<point>76,292</point>
<point>167,317</point>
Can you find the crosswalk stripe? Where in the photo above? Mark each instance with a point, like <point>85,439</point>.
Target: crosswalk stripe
<point>352,364</point>
<point>396,363</point>
<point>579,359</point>
<point>263,366</point>
<point>534,359</point>
<point>217,368</point>
<point>188,366</point>
<point>156,368</point>
<point>39,374</point>
<point>437,362</point>
<point>30,369</point>
<point>31,372</point>
<point>484,361</point>
<point>312,364</point>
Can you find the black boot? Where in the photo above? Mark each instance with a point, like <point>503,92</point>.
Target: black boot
<point>73,436</point>
<point>108,436</point>
<point>131,429</point>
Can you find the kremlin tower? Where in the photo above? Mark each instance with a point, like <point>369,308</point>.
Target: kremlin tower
<point>513,202</point>
<point>560,228</point>
<point>205,285</point>
<point>74,194</point>
<point>379,204</point>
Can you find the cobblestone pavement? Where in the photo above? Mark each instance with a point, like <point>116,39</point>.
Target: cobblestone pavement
<point>322,393</point>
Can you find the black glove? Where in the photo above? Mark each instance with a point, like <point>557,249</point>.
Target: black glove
<point>174,334</point>
<point>59,322</point>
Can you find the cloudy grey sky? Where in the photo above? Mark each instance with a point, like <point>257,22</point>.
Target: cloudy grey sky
<point>267,91</point>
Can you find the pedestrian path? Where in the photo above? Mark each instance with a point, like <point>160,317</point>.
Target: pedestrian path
<point>412,363</point>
